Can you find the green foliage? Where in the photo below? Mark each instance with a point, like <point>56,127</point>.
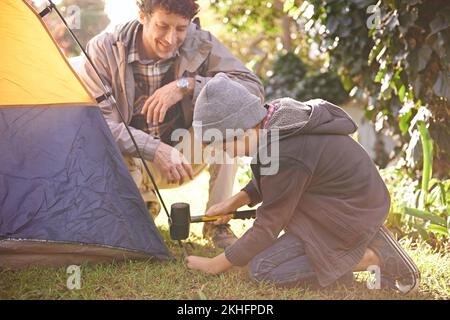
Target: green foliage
<point>394,54</point>
<point>418,214</point>
<point>401,62</point>
<point>244,174</point>
<point>276,48</point>
<point>291,78</point>
<point>258,31</point>
<point>248,15</point>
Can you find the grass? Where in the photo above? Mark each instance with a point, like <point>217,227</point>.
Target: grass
<point>171,280</point>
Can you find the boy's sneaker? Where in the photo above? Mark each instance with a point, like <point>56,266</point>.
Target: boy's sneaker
<point>398,271</point>
<point>220,235</point>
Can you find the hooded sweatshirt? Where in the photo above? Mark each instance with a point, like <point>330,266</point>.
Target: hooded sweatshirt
<point>327,190</point>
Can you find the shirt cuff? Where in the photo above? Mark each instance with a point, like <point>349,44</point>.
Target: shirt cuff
<point>252,193</point>
<point>200,82</point>
<point>150,147</point>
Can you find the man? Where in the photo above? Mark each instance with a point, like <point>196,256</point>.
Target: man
<point>155,68</point>
<point>327,194</point>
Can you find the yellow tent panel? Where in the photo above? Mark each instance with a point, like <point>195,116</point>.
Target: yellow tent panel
<point>33,71</point>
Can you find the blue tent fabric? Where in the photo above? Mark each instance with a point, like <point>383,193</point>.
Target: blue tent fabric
<point>62,178</point>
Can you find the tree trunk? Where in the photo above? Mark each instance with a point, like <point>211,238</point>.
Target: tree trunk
<point>286,24</point>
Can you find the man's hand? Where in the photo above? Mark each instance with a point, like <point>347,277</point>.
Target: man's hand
<point>162,99</point>
<point>172,164</point>
<point>215,265</point>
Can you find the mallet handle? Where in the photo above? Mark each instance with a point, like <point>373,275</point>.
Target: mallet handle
<point>244,214</point>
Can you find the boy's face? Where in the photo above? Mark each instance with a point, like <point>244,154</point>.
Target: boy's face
<point>163,33</point>
<point>243,146</point>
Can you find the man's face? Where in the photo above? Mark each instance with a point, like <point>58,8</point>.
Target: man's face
<point>163,33</point>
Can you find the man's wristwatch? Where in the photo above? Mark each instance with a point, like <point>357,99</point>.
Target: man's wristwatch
<point>183,84</point>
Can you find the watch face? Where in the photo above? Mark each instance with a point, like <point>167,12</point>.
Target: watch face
<point>183,83</point>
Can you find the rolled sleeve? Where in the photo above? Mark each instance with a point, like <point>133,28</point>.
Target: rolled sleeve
<point>252,192</point>
<point>146,143</point>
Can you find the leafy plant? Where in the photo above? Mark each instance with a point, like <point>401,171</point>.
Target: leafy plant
<point>293,78</point>
<point>432,203</point>
<point>399,60</point>
<point>244,173</point>
<point>414,215</point>
<point>258,30</point>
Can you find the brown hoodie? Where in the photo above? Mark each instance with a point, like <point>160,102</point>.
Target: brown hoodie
<point>327,191</point>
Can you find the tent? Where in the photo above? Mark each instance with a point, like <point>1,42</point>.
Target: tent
<point>66,196</point>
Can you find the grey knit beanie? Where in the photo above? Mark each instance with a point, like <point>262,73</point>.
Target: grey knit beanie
<point>225,104</point>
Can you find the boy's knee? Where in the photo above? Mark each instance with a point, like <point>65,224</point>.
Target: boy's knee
<point>256,270</point>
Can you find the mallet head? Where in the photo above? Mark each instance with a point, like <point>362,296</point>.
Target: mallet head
<point>181,219</point>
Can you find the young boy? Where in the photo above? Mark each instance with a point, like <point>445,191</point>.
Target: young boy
<point>327,195</point>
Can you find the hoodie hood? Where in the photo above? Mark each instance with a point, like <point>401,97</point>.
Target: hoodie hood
<point>315,116</point>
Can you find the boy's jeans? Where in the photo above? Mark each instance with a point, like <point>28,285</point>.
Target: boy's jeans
<point>285,263</point>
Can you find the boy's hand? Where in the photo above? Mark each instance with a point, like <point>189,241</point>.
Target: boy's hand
<point>221,208</point>
<point>199,263</point>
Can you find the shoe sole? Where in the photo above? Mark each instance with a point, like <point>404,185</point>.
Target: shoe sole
<point>405,289</point>
<point>216,241</point>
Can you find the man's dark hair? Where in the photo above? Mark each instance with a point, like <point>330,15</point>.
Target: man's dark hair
<point>185,8</point>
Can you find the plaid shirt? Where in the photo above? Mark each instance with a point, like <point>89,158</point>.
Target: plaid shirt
<point>148,74</point>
